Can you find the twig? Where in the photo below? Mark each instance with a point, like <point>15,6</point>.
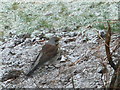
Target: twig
<point>107,41</point>
<point>77,61</point>
<point>116,47</point>
<point>102,38</point>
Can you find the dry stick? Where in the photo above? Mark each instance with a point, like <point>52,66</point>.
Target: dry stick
<point>116,47</point>
<point>99,46</point>
<point>114,77</point>
<point>102,39</point>
<point>106,44</point>
<point>77,61</point>
<point>107,41</point>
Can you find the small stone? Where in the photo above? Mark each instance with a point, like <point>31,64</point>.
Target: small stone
<point>10,44</point>
<point>63,58</point>
<point>49,35</point>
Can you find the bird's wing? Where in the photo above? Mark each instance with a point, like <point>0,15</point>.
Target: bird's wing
<point>47,53</point>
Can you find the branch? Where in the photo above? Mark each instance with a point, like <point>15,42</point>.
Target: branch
<point>116,47</point>
<point>107,47</point>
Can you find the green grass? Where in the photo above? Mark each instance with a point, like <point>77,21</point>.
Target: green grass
<point>115,27</point>
<point>15,6</point>
<point>30,16</point>
<point>25,17</point>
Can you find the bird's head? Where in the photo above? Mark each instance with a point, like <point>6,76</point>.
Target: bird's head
<point>54,40</point>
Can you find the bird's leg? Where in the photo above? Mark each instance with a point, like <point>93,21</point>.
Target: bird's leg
<point>101,76</point>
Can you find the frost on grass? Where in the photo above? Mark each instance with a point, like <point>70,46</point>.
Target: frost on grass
<point>28,17</point>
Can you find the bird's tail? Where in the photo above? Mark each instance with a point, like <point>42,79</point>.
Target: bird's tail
<point>31,71</point>
<point>34,65</point>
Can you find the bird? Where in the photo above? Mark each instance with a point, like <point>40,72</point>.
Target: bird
<point>49,52</point>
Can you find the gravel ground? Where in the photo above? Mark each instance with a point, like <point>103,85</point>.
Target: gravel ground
<point>80,62</point>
